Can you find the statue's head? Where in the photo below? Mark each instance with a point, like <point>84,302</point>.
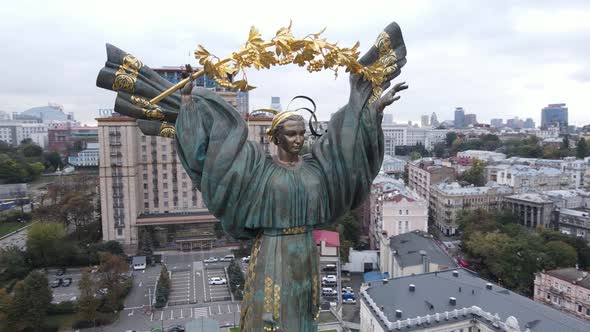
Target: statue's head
<point>287,131</point>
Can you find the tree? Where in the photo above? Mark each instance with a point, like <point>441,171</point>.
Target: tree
<point>565,144</point>
<point>111,268</point>
<point>450,138</point>
<point>163,289</point>
<point>415,155</point>
<point>6,319</point>
<point>52,160</point>
<point>440,150</point>
<point>31,149</point>
<point>560,254</point>
<point>582,148</point>
<point>236,279</point>
<point>45,244</point>
<point>474,175</point>
<point>88,304</point>
<point>13,263</point>
<point>32,298</point>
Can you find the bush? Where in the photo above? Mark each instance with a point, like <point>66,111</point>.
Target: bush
<point>65,307</point>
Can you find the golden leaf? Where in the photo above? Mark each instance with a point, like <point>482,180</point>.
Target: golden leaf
<point>201,53</point>
<point>225,69</point>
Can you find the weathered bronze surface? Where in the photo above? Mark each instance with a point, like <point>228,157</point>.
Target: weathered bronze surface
<point>277,200</point>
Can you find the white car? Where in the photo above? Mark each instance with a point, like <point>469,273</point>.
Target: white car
<point>227,258</point>
<point>211,260</point>
<point>349,301</point>
<point>347,290</point>
<point>329,278</point>
<point>217,281</point>
<point>329,292</point>
<point>246,259</point>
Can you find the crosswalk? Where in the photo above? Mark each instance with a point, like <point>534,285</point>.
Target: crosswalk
<point>201,312</point>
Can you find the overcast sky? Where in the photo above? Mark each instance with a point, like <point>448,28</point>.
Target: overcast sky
<point>494,58</point>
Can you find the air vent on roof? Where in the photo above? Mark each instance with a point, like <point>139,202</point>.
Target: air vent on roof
<point>384,281</point>
<point>412,287</point>
<point>489,286</point>
<point>452,301</point>
<point>398,314</point>
<point>456,274</point>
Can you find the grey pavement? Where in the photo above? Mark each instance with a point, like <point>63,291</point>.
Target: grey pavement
<point>19,239</point>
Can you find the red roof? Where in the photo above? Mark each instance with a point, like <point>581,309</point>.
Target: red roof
<point>398,198</point>
<point>332,238</point>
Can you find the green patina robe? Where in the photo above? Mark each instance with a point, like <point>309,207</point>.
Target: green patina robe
<point>254,196</point>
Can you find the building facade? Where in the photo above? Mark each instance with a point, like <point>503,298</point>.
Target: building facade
<point>555,115</point>
<point>459,121</point>
<point>425,172</point>
<point>14,132</point>
<point>532,210</point>
<point>522,178</point>
<point>88,157</point>
<point>575,222</point>
<point>566,290</point>
<point>448,200</point>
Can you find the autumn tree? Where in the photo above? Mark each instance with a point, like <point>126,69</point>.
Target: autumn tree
<point>88,304</point>
<point>111,268</point>
<point>32,298</point>
<point>45,243</point>
<point>582,149</point>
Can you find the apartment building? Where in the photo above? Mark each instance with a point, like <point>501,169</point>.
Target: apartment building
<point>425,172</point>
<point>524,178</point>
<point>566,290</point>
<point>144,188</point>
<point>448,199</point>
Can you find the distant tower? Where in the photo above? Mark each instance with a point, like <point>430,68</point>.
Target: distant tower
<point>275,103</point>
<point>434,120</point>
<point>555,115</point>
<point>470,119</point>
<point>529,123</point>
<point>424,121</point>
<point>459,118</point>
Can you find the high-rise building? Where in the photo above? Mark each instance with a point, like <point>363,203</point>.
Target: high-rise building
<point>470,120</point>
<point>434,120</point>
<point>275,104</point>
<point>239,100</point>
<point>498,123</point>
<point>515,123</point>
<point>529,123</point>
<point>459,118</point>
<point>424,121</point>
<point>555,115</point>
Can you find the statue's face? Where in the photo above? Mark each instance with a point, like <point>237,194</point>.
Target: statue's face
<point>291,136</point>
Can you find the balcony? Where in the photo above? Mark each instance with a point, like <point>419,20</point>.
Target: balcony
<point>116,164</point>
<point>115,143</point>
<point>114,133</point>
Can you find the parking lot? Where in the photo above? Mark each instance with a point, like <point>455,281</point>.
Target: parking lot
<point>184,313</point>
<point>216,292</point>
<point>64,293</point>
<point>181,287</point>
<point>329,269</point>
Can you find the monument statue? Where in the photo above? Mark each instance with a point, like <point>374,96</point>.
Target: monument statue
<point>276,200</point>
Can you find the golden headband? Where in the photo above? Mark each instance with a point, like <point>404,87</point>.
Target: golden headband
<point>277,120</point>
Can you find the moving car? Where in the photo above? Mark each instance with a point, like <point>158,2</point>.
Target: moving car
<point>56,283</point>
<point>348,296</point>
<point>246,259</point>
<point>227,258</point>
<point>329,278</point>
<point>217,281</point>
<point>463,263</point>
<point>66,282</point>
<point>211,260</point>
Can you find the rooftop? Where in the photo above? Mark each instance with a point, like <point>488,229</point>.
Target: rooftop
<point>475,298</point>
<point>575,212</point>
<point>332,238</point>
<point>410,247</point>
<point>532,197</point>
<point>572,275</point>
<point>456,189</point>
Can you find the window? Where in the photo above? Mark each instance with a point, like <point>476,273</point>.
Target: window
<point>144,158</point>
<point>579,308</point>
<point>119,232</point>
<point>407,212</point>
<point>184,184</point>
<point>165,194</point>
<point>143,148</point>
<point>400,212</point>
<point>145,186</point>
<point>146,205</point>
<point>184,194</point>
<point>164,147</point>
<point>145,196</point>
<point>145,167</point>
<point>143,139</point>
<point>164,166</point>
<point>145,176</point>
<point>165,176</point>
<point>165,185</point>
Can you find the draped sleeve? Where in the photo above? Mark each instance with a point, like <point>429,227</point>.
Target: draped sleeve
<point>213,148</point>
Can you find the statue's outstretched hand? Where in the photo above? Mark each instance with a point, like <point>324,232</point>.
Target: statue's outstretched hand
<point>390,96</point>
<point>188,87</point>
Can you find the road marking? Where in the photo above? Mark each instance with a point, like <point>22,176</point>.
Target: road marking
<point>140,283</point>
<point>181,314</point>
<point>238,308</point>
<point>228,309</point>
<point>171,314</point>
<point>210,314</point>
<point>130,313</point>
<point>152,317</point>
<point>204,290</point>
<point>162,315</point>
<point>201,312</point>
<point>194,288</point>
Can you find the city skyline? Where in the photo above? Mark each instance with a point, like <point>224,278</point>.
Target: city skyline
<point>496,68</point>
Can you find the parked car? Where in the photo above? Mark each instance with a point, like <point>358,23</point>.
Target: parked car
<point>176,328</point>
<point>349,301</point>
<point>211,260</point>
<point>329,268</point>
<point>217,281</point>
<point>227,258</point>
<point>348,296</point>
<point>329,283</point>
<point>347,290</point>
<point>60,272</point>
<point>246,259</point>
<point>329,278</point>
<point>329,292</point>
<point>463,263</point>
<point>66,282</point>
<point>56,283</point>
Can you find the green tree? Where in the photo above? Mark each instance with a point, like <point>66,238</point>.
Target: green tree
<point>582,149</point>
<point>565,144</point>
<point>414,155</point>
<point>474,175</point>
<point>45,244</point>
<point>13,263</point>
<point>52,160</point>
<point>560,254</point>
<point>88,303</point>
<point>440,150</point>
<point>32,298</point>
<point>163,289</point>
<point>6,319</point>
<point>450,138</point>
<point>30,150</point>
<point>236,279</point>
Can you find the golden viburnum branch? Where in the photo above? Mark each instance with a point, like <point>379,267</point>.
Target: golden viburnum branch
<point>312,52</point>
